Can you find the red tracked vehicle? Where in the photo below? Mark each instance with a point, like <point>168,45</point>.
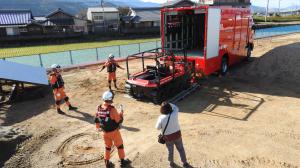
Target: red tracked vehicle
<point>165,79</point>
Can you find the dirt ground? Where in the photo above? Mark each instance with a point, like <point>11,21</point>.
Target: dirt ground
<point>248,119</point>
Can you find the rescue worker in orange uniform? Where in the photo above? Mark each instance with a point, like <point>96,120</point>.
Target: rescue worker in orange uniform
<point>111,66</point>
<point>108,120</point>
<point>57,84</point>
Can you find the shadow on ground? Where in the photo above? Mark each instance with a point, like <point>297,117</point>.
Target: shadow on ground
<point>27,105</point>
<point>276,73</point>
<point>84,116</point>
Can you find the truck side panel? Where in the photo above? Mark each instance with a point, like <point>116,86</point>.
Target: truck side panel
<point>227,35</point>
<point>234,34</point>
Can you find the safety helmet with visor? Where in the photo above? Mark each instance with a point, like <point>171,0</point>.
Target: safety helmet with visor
<point>108,96</point>
<point>56,67</point>
<point>111,56</point>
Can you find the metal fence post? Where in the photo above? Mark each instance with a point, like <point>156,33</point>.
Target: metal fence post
<point>41,62</point>
<point>71,58</point>
<point>97,54</point>
<point>139,47</point>
<point>119,51</point>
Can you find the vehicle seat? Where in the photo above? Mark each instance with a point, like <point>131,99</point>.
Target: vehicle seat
<point>149,67</point>
<point>164,70</point>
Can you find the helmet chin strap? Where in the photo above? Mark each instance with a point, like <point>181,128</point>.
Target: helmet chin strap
<point>108,101</point>
<point>56,70</point>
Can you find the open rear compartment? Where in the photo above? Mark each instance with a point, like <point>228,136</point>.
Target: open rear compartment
<point>185,29</point>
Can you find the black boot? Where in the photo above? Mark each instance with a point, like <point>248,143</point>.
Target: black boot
<point>108,164</point>
<point>124,163</point>
<point>186,165</point>
<point>72,108</point>
<point>59,111</point>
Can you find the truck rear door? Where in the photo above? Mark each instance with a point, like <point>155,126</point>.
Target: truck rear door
<point>213,39</point>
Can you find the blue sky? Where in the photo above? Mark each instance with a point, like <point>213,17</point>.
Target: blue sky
<point>273,3</point>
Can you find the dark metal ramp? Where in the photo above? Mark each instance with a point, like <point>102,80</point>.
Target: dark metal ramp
<point>11,71</point>
<point>184,93</point>
<point>14,76</point>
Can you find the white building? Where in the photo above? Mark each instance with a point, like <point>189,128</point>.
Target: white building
<point>104,18</point>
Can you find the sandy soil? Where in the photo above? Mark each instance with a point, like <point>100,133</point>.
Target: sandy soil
<point>248,119</point>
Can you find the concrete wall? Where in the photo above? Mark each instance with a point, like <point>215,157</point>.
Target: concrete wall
<point>106,16</point>
<point>81,26</point>
<point>110,21</point>
<point>12,31</point>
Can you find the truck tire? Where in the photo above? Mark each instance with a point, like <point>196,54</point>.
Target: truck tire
<point>224,66</point>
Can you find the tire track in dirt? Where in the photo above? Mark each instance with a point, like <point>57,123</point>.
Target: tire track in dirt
<point>82,149</point>
<point>27,148</point>
<point>252,162</point>
<point>271,134</point>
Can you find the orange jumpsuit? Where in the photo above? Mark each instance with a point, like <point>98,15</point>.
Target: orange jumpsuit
<point>113,137</point>
<point>58,89</point>
<point>111,69</point>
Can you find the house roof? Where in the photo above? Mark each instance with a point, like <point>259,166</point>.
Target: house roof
<point>48,23</point>
<point>127,18</point>
<point>174,3</point>
<point>104,9</point>
<point>15,17</point>
<point>143,15</point>
<point>58,11</point>
<point>40,18</point>
<point>58,22</point>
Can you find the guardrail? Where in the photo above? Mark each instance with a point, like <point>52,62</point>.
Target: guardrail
<point>83,56</point>
<point>276,31</point>
<point>92,55</point>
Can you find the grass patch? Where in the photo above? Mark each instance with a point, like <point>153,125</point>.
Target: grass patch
<point>277,18</point>
<point>34,50</point>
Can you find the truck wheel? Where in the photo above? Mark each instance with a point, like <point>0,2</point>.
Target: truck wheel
<point>248,53</point>
<point>224,66</point>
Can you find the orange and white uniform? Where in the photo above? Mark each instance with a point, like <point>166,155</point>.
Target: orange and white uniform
<point>111,66</point>
<point>57,85</point>
<point>108,119</point>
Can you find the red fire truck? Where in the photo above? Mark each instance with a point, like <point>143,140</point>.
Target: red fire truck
<point>214,37</point>
<point>196,40</point>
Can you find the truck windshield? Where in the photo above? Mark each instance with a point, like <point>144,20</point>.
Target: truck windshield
<point>185,29</point>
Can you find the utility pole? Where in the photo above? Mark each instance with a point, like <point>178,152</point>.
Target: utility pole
<point>279,1</point>
<point>103,16</point>
<point>267,10</point>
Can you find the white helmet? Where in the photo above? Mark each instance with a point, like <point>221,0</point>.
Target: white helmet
<point>111,56</point>
<point>107,96</point>
<point>55,66</point>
